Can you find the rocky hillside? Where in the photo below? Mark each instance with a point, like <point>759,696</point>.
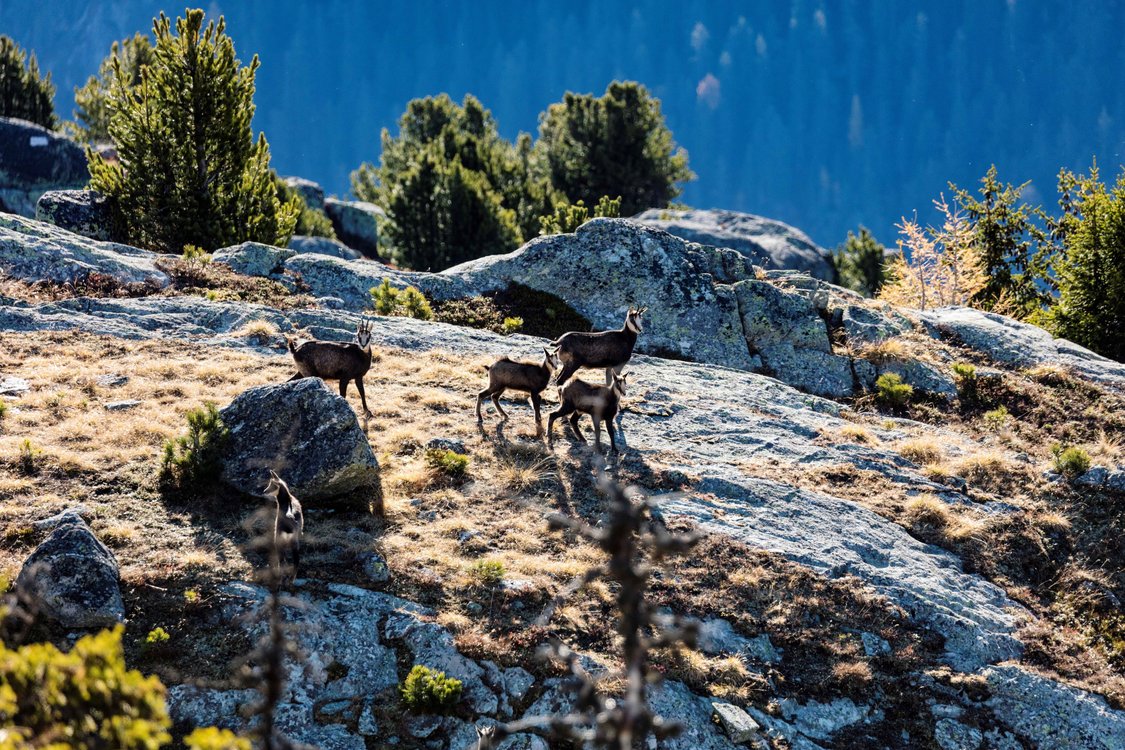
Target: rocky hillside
<point>918,574</point>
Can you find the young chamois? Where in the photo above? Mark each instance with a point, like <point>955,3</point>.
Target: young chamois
<point>332,360</point>
<point>507,374</point>
<point>600,402</point>
<point>609,349</point>
<point>289,523</point>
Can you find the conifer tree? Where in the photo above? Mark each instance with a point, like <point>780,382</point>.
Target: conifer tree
<point>453,189</point>
<point>861,263</point>
<point>616,144</point>
<point>91,113</point>
<point>189,171</point>
<point>23,92</point>
<point>1091,272</point>
<point>1014,251</point>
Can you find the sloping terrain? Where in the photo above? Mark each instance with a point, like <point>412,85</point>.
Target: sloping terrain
<point>915,578</point>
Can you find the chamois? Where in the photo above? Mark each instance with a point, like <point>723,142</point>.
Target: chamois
<point>609,349</point>
<point>332,360</point>
<point>290,521</point>
<point>600,402</point>
<point>507,374</point>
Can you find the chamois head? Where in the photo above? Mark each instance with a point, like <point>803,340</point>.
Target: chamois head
<point>363,334</point>
<point>633,319</point>
<point>278,489</point>
<point>551,359</point>
<point>619,382</point>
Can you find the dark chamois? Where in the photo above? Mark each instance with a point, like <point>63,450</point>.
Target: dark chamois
<point>332,360</point>
<point>505,374</point>
<point>600,402</point>
<point>609,349</point>
<point>289,524</point>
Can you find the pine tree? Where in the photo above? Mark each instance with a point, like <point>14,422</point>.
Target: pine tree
<point>1091,272</point>
<point>453,189</point>
<point>23,92</point>
<point>861,263</point>
<point>616,144</point>
<point>1014,251</point>
<point>91,112</point>
<point>189,171</point>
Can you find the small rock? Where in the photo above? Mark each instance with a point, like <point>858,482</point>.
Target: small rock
<point>78,512</point>
<point>467,535</point>
<point>446,444</point>
<point>516,585</point>
<point>73,577</point>
<point>335,707</point>
<point>375,567</point>
<point>422,726</point>
<point>322,246</point>
<point>367,726</point>
<point>761,648</point>
<point>122,405</point>
<point>517,681</point>
<point>738,725</point>
<point>111,380</point>
<point>873,645</point>
<point>1115,480</point>
<point>311,192</point>
<point>356,224</point>
<point>1095,477</point>
<point>10,385</point>
<point>84,212</point>
<point>953,735</point>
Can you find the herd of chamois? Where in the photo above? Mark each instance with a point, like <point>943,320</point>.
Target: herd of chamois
<point>348,362</point>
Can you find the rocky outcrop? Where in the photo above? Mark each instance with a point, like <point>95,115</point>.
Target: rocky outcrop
<point>1015,344</point>
<point>34,160</point>
<point>356,224</point>
<point>83,212</point>
<point>254,258</point>
<point>322,246</point>
<point>36,251</point>
<point>311,192</point>
<point>1050,715</point>
<point>303,431</point>
<point>72,578</point>
<point>764,242</point>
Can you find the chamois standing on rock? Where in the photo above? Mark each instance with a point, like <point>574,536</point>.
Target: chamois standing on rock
<point>609,349</point>
<point>333,360</point>
<point>505,374</point>
<point>600,402</point>
<point>289,523</point>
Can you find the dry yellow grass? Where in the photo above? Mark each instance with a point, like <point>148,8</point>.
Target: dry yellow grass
<point>857,434</point>
<point>887,350</point>
<point>921,451</point>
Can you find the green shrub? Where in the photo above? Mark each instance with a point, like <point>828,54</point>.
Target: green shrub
<point>567,218</point>
<point>189,169</point>
<point>311,222</point>
<point>407,303</point>
<point>211,738</point>
<point>29,456</point>
<point>861,263</point>
<point>450,463</point>
<point>84,699</point>
<point>90,100</point>
<point>195,254</point>
<point>157,636</point>
<point>191,596</point>
<point>1070,461</point>
<point>996,419</point>
<point>23,92</point>
<point>892,392</point>
<point>428,691</point>
<point>195,458</point>
<point>965,376</point>
<point>508,327</point>
<point>488,573</point>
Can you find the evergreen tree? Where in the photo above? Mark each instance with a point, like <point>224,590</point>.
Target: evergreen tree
<point>311,222</point>
<point>189,171</point>
<point>616,144</point>
<point>1091,271</point>
<point>90,100</point>
<point>861,263</point>
<point>1014,250</point>
<point>453,189</point>
<point>23,92</point>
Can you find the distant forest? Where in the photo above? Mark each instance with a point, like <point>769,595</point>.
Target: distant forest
<point>826,115</point>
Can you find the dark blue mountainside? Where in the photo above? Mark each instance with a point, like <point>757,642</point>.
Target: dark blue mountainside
<point>822,114</point>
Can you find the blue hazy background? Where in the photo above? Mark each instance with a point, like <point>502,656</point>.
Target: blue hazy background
<point>822,114</point>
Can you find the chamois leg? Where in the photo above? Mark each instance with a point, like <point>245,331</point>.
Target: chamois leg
<point>496,402</point>
<point>598,432</point>
<point>562,411</point>
<point>363,398</point>
<point>480,398</point>
<point>536,400</point>
<point>296,550</point>
<point>344,388</point>
<point>577,429</point>
<point>296,376</point>
<point>612,439</point>
<point>608,378</point>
